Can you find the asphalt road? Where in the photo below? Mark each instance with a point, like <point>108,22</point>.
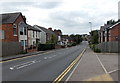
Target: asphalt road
<point>43,67</point>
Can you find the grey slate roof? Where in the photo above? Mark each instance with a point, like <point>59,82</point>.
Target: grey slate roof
<point>33,28</point>
<point>9,17</point>
<point>103,28</point>
<point>45,30</point>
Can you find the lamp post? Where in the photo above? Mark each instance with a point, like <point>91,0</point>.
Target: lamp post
<point>90,32</point>
<point>90,26</point>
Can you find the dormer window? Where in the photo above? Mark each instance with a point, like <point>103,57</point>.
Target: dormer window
<point>14,29</point>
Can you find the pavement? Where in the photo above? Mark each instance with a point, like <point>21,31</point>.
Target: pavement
<point>96,67</point>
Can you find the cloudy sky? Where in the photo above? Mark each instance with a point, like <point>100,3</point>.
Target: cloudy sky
<point>71,16</point>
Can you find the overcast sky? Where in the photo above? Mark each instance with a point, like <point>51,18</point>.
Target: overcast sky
<point>71,16</point>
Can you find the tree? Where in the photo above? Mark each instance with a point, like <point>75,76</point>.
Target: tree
<point>94,37</point>
<point>76,38</point>
<point>53,39</point>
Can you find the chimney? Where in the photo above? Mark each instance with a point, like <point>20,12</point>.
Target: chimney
<point>54,29</point>
<point>50,29</point>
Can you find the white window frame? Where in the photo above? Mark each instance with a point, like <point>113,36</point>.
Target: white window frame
<point>15,27</point>
<point>2,34</point>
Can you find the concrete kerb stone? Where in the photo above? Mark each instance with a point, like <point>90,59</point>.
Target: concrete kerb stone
<point>24,55</point>
<point>21,55</point>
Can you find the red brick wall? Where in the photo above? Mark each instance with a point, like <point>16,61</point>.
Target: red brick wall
<point>8,33</point>
<point>115,32</point>
<point>8,30</point>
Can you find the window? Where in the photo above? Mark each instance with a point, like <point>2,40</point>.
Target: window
<point>33,34</point>
<point>21,30</point>
<point>14,29</point>
<point>22,42</point>
<point>25,42</point>
<point>25,30</point>
<point>36,34</point>
<point>2,34</point>
<point>34,43</point>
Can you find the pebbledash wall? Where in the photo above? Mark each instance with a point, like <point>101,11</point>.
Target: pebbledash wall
<point>10,48</point>
<point>109,47</point>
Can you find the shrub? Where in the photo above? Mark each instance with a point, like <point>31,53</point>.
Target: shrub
<point>97,50</point>
<point>92,46</point>
<point>74,44</point>
<point>43,47</point>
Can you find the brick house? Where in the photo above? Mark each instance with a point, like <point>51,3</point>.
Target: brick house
<point>104,33</point>
<point>114,32</point>
<point>13,28</point>
<point>109,33</point>
<point>58,34</point>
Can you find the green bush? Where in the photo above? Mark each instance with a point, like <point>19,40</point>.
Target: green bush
<point>92,46</point>
<point>74,44</point>
<point>43,47</point>
<point>97,50</point>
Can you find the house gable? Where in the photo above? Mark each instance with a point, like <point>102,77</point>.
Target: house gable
<point>8,20</point>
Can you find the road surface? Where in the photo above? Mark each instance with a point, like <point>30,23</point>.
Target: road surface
<point>41,67</point>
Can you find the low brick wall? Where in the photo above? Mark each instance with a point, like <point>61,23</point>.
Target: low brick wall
<point>10,48</point>
<point>58,46</point>
<point>111,47</point>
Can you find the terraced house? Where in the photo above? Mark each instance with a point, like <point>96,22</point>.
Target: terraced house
<point>110,33</point>
<point>114,32</point>
<point>34,37</point>
<point>13,30</point>
<point>46,34</point>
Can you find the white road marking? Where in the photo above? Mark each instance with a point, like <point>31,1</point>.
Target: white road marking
<point>102,65</point>
<point>45,57</point>
<point>24,65</point>
<point>49,57</point>
<point>39,61</point>
<point>11,68</point>
<point>113,71</point>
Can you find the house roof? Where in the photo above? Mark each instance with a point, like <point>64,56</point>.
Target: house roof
<point>45,30</point>
<point>33,28</point>
<point>9,17</point>
<point>103,28</point>
<point>114,25</point>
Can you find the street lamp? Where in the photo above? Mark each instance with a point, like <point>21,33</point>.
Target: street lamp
<point>90,32</point>
<point>90,26</point>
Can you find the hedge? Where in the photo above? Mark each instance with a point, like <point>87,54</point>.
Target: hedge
<point>43,47</point>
